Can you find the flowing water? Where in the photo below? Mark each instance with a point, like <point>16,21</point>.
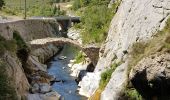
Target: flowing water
<point>59,68</point>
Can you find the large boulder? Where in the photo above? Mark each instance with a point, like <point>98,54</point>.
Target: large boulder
<point>151,77</point>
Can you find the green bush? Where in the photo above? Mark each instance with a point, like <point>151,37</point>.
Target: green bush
<point>79,58</point>
<point>2,3</point>
<point>132,94</point>
<point>22,49</point>
<point>105,76</point>
<point>83,3</point>
<point>96,18</point>
<point>19,41</point>
<point>9,45</point>
<point>9,11</point>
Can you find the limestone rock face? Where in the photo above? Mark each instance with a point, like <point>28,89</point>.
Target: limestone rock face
<point>44,53</point>
<point>151,76</point>
<point>118,78</point>
<point>16,73</point>
<point>135,20</point>
<point>33,70</point>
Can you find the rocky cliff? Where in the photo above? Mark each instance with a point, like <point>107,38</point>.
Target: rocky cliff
<point>135,20</point>
<point>24,67</point>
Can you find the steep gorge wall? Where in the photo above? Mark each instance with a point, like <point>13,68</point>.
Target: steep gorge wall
<point>28,30</point>
<point>135,20</point>
<point>17,78</point>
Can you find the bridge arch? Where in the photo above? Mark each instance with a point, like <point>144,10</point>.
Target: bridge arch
<point>65,22</point>
<point>91,51</point>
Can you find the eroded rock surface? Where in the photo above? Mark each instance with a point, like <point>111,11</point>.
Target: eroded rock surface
<point>17,75</point>
<point>151,76</point>
<point>30,72</point>
<point>135,20</point>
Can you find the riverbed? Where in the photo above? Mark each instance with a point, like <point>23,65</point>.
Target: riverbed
<point>58,67</point>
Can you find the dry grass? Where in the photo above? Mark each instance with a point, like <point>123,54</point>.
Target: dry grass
<point>159,43</point>
<point>96,95</point>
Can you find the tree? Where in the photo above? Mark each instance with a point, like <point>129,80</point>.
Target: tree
<point>2,3</point>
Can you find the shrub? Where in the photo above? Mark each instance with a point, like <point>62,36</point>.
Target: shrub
<point>96,17</point>
<point>22,49</point>
<point>9,11</point>
<point>2,3</point>
<point>20,42</point>
<point>132,94</point>
<point>79,57</point>
<point>105,76</point>
<point>9,45</point>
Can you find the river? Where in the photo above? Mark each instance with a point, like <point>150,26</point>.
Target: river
<point>59,68</point>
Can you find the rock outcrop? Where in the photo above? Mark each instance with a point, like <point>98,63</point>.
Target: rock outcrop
<point>31,71</point>
<point>151,76</point>
<point>135,20</point>
<point>16,73</point>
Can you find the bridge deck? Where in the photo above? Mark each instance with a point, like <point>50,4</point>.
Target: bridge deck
<point>59,18</point>
<point>48,40</point>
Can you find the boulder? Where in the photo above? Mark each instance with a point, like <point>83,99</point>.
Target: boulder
<point>47,96</point>
<point>35,88</point>
<point>44,87</point>
<point>52,96</point>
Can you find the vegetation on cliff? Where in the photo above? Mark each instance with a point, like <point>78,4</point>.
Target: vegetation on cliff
<point>15,47</point>
<point>96,18</point>
<point>144,49</point>
<point>159,44</point>
<point>7,45</point>
<point>7,91</point>
<point>132,94</point>
<point>79,57</point>
<point>22,50</point>
<point>106,76</point>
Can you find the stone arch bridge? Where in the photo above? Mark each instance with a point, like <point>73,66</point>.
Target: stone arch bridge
<point>65,22</point>
<point>90,50</point>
